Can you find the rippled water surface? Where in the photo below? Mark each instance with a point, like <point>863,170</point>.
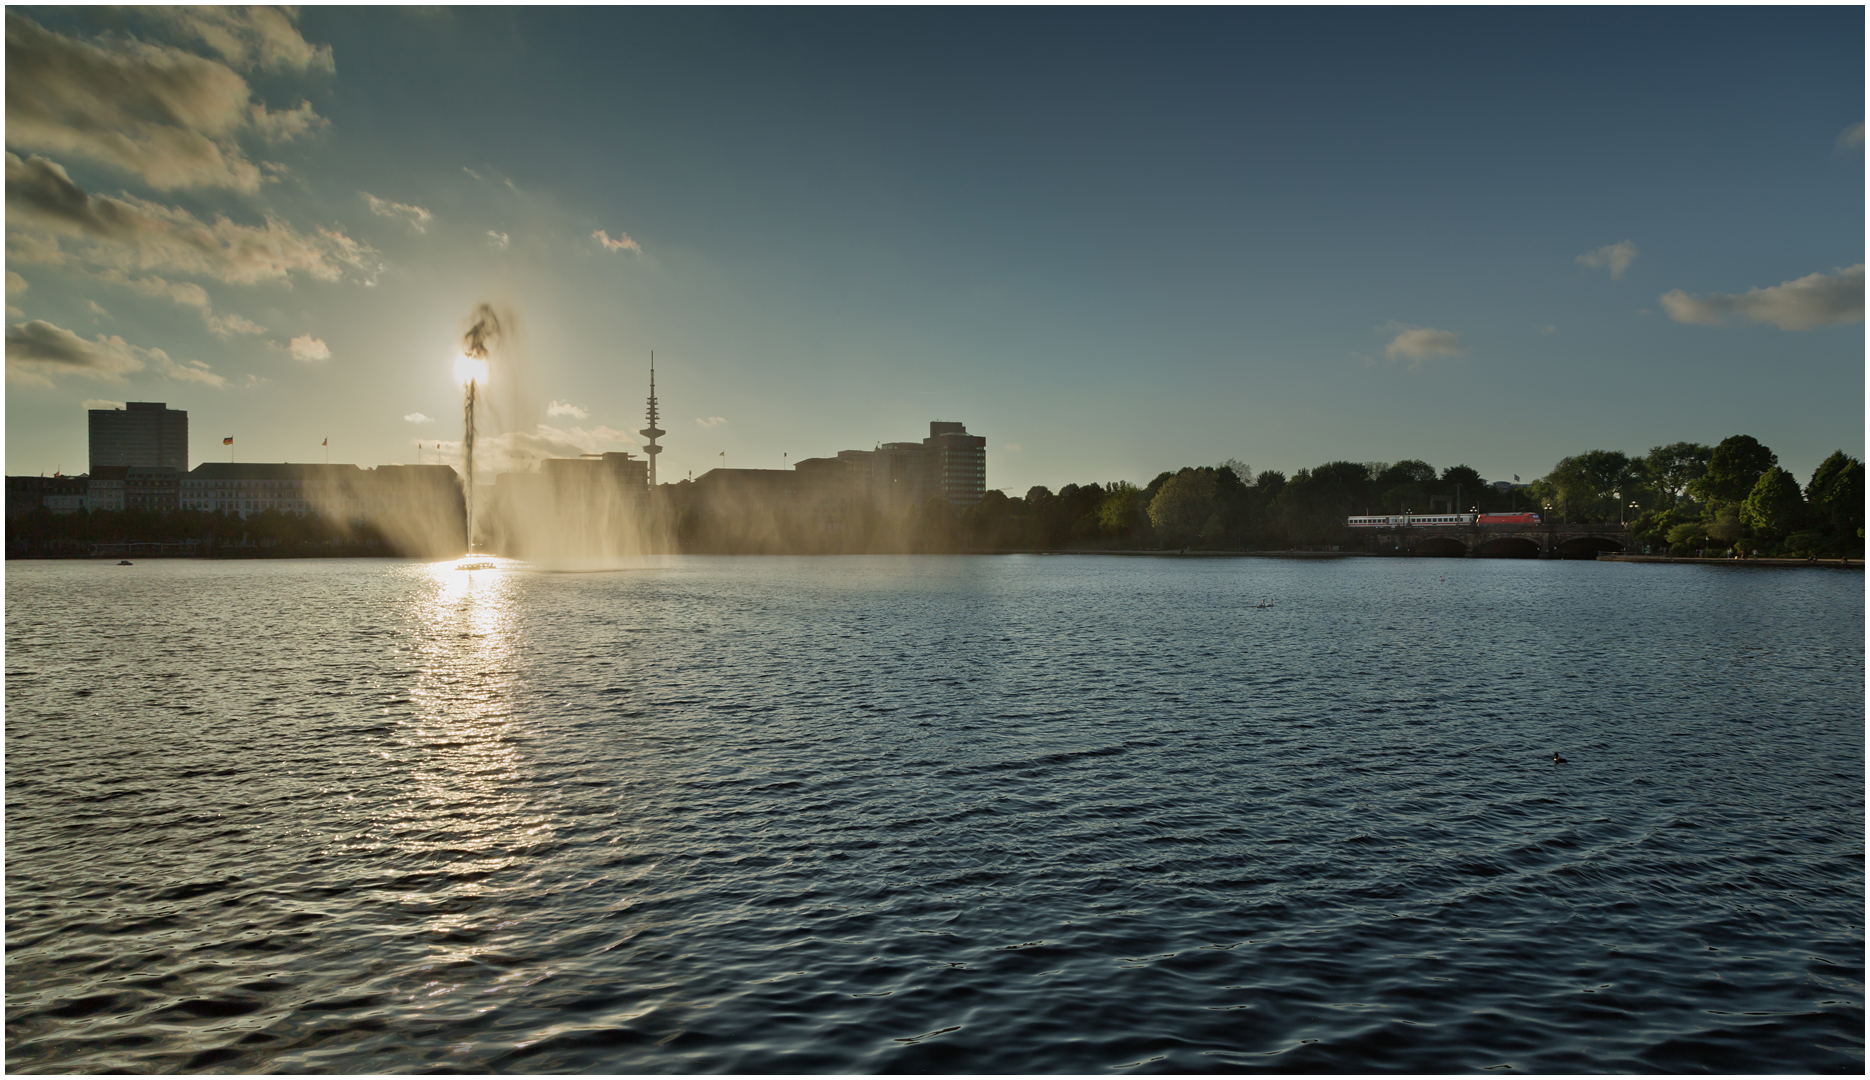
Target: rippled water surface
<point>934,814</point>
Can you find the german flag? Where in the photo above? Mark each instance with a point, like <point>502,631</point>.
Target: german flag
<point>227,441</point>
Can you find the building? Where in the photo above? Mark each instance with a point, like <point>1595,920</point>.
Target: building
<point>147,434</point>
<point>954,464</point>
<point>343,493</point>
<point>59,494</point>
<point>153,488</point>
<point>105,491</point>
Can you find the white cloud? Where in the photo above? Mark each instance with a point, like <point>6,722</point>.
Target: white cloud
<point>711,422</point>
<point>418,418</point>
<point>229,325</point>
<point>1835,299</point>
<point>470,172</point>
<point>1851,138</point>
<point>1014,447</point>
<point>565,408</point>
<point>97,309</point>
<point>246,37</point>
<point>497,239</point>
<point>14,283</point>
<point>1419,343</point>
<point>1548,329</point>
<point>1617,257</point>
<point>169,117</point>
<point>308,348</point>
<point>417,217</point>
<point>37,352</point>
<point>621,243</point>
<point>101,403</point>
<point>124,235</point>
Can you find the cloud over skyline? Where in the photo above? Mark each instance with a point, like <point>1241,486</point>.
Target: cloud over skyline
<point>1419,343</point>
<point>416,217</point>
<point>168,117</point>
<point>621,243</point>
<point>1617,257</point>
<point>132,235</point>
<point>307,348</point>
<point>1815,300</point>
<point>566,408</point>
<point>37,352</point>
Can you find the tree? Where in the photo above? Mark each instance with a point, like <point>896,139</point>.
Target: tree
<point>1836,493</point>
<point>1183,507</point>
<point>1590,484</point>
<point>1671,469</point>
<point>1121,510</point>
<point>1462,485</point>
<point>1774,507</point>
<point>1733,468</point>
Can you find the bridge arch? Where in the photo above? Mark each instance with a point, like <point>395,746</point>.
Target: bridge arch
<point>1586,547</point>
<point>1440,547</point>
<point>1509,547</point>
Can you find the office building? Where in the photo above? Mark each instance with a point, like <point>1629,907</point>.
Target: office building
<point>955,464</point>
<point>146,434</point>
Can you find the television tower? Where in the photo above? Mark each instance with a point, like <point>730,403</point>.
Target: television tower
<point>652,432</point>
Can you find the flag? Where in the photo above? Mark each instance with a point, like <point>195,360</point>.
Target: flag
<point>327,442</point>
<point>1516,478</point>
<point>227,442</point>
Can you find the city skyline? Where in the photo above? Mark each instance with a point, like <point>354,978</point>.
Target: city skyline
<point>1113,242</point>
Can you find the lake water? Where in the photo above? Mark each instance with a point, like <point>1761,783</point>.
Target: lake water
<point>934,814</point>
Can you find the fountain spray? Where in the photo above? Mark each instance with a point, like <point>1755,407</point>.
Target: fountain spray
<point>475,346</point>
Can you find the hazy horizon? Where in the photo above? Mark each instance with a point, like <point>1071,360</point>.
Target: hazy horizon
<point>1113,242</point>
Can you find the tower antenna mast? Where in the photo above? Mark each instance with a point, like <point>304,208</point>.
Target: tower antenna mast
<point>652,432</point>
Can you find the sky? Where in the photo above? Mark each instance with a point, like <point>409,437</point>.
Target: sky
<point>1111,241</point>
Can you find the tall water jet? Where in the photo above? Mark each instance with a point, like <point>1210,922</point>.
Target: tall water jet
<point>472,370</point>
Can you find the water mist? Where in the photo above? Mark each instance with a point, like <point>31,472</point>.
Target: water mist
<point>475,346</point>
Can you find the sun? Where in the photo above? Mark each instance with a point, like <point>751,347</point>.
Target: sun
<point>468,369</point>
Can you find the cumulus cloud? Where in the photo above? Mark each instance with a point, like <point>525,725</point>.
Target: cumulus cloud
<point>125,235</point>
<point>711,422</point>
<point>621,243</point>
<point>418,418</point>
<point>1419,343</point>
<point>229,325</point>
<point>417,217</point>
<point>1617,257</point>
<point>307,348</point>
<point>1835,299</point>
<point>246,37</point>
<point>14,283</point>
<point>38,352</point>
<point>169,117</point>
<point>97,309</point>
<point>497,239</point>
<point>101,403</point>
<point>566,408</point>
<point>1851,138</point>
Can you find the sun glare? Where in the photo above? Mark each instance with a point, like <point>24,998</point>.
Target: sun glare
<point>468,369</point>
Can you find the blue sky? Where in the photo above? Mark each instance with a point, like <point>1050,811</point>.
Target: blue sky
<point>1112,241</point>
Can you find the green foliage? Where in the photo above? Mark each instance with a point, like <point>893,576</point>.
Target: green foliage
<point>1183,506</point>
<point>1774,507</point>
<point>1733,468</point>
<point>1689,535</point>
<point>1120,513</point>
<point>1836,494</point>
<point>1591,485</point>
<point>1670,470</point>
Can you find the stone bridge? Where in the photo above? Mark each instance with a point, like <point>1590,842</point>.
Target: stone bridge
<point>1498,541</point>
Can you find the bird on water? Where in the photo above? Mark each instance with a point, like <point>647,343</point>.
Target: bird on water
<point>1556,760</point>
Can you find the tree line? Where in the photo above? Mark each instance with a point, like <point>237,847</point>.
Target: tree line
<point>1687,497</point>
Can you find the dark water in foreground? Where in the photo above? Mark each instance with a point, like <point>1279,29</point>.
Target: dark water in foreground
<point>925,814</point>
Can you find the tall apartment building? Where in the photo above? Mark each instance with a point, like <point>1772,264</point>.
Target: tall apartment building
<point>955,463</point>
<point>146,434</point>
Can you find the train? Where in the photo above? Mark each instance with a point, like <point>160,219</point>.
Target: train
<point>1391,521</point>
